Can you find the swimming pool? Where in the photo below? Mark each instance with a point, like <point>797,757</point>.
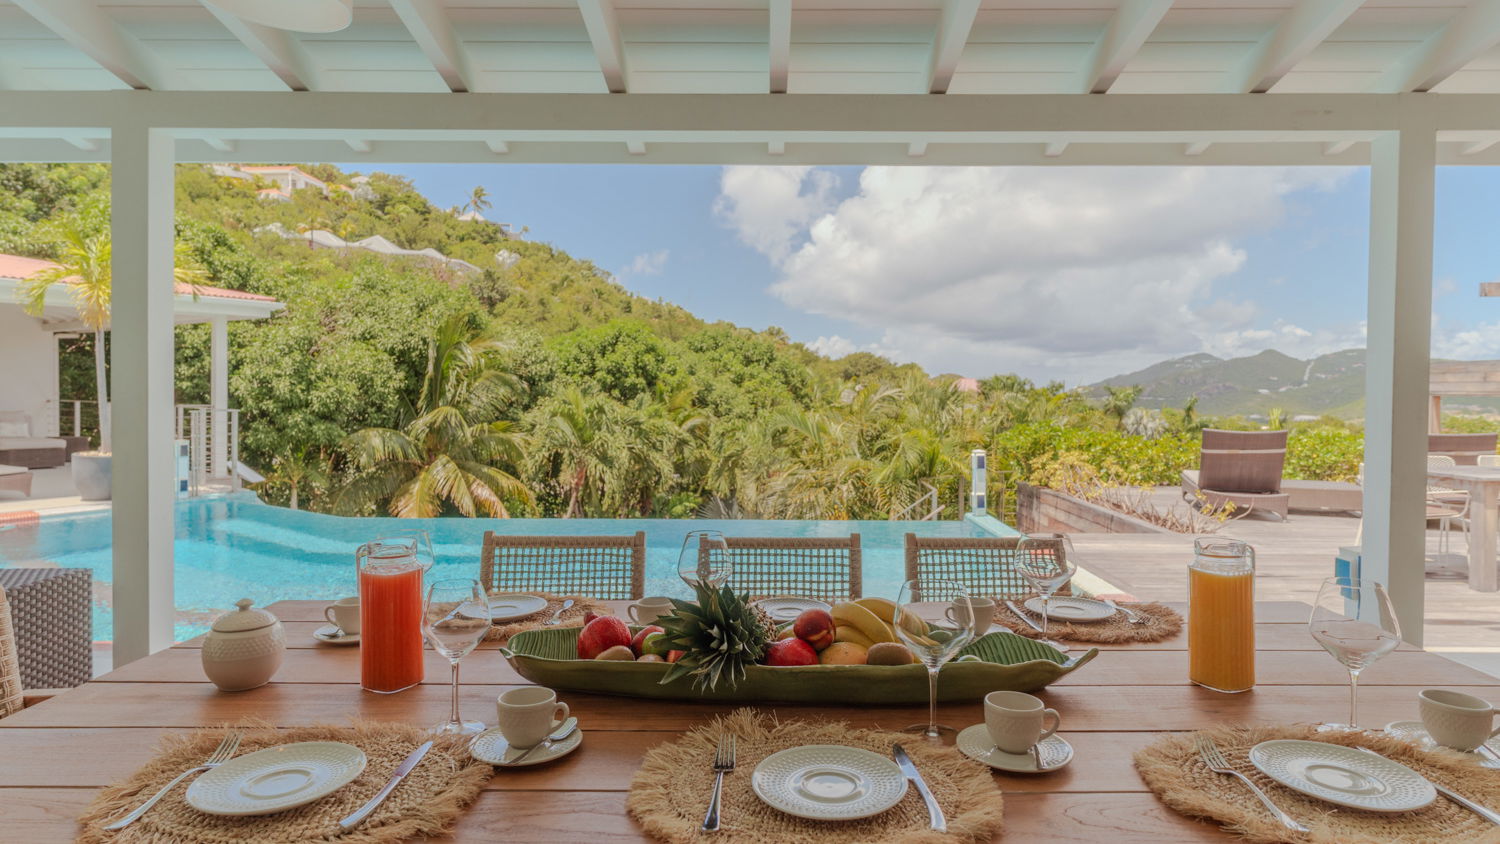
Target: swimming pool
<point>235,546</point>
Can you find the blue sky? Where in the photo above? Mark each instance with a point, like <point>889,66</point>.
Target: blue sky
<point>1067,273</point>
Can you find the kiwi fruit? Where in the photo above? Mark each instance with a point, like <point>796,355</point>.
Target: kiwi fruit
<point>888,653</point>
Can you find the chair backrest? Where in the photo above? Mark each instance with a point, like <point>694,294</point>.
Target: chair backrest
<point>1440,461</point>
<point>1242,461</point>
<point>985,565</point>
<point>15,423</point>
<point>1465,449</point>
<point>605,567</point>
<point>825,568</point>
<point>1490,460</point>
<point>10,663</point>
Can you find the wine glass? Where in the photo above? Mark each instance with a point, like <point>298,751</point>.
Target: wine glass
<point>1354,621</point>
<point>1047,562</point>
<point>704,559</point>
<point>940,642</point>
<point>454,619</point>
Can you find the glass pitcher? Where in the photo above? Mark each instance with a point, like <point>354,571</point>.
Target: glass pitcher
<point>1221,615</point>
<point>390,609</point>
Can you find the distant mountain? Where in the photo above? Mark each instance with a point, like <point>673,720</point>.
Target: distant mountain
<point>1330,384</point>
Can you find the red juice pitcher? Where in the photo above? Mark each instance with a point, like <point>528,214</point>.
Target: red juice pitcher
<point>390,610</point>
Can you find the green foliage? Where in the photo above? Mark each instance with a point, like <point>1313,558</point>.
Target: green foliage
<point>1324,452</point>
<point>1120,458</point>
<point>623,359</point>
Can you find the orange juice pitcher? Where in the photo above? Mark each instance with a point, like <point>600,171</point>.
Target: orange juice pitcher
<point>1221,615</point>
<point>390,610</point>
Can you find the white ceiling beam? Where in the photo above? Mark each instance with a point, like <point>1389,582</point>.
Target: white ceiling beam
<point>1300,32</point>
<point>85,144</point>
<point>776,148</point>
<point>276,48</point>
<point>1476,147</point>
<point>428,23</point>
<point>1055,149</point>
<point>916,149</point>
<point>1337,147</point>
<point>498,147</point>
<point>779,43</point>
<point>1196,148</point>
<point>948,43</point>
<point>635,147</point>
<point>1470,34</point>
<point>359,144</point>
<point>89,29</point>
<point>604,31</point>
<point>1128,29</point>
<point>220,144</point>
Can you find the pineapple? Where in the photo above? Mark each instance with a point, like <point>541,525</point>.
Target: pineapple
<point>719,636</point>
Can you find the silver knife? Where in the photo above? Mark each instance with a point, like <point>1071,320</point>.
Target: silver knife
<point>934,811</point>
<point>402,770</point>
<point>1023,616</point>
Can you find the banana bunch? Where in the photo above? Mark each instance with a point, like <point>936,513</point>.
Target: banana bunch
<point>869,621</point>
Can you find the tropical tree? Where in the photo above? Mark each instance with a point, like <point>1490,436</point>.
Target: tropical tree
<point>296,471</point>
<point>478,199</point>
<point>575,441</point>
<point>1120,400</point>
<point>452,449</point>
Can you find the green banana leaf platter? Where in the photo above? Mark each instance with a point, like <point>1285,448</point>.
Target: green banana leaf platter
<point>1006,662</point>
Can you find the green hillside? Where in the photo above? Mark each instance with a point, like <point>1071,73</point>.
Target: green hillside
<point>1331,384</point>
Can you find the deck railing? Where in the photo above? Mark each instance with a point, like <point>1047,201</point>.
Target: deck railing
<point>213,436</point>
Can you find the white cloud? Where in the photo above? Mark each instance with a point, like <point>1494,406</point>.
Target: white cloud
<point>1075,273</point>
<point>647,263</point>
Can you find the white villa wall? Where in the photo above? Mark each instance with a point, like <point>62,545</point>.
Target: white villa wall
<point>28,369</point>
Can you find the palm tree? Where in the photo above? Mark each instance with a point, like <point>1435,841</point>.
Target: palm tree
<point>574,440</point>
<point>451,450</point>
<point>1120,400</point>
<point>84,266</point>
<point>478,199</point>
<point>297,470</point>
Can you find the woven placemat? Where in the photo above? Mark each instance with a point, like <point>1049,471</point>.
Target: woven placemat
<point>1173,769</point>
<point>670,793</point>
<point>1162,622</point>
<point>425,803</point>
<point>571,617</point>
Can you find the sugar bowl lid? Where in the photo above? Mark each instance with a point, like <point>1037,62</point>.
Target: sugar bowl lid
<point>243,619</point>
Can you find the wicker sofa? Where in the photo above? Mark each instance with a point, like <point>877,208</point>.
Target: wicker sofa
<point>20,446</point>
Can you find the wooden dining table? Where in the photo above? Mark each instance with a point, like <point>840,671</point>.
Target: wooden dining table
<point>56,755</point>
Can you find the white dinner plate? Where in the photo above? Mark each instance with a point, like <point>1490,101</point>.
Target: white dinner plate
<point>1072,609</point>
<point>332,635</point>
<point>276,779</point>
<point>1414,732</point>
<point>490,746</point>
<point>975,743</point>
<point>1342,775</point>
<point>828,782</point>
<point>788,608</point>
<point>509,606</point>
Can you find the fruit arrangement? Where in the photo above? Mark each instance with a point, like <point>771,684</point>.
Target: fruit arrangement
<point>853,633</point>
<point>607,638</point>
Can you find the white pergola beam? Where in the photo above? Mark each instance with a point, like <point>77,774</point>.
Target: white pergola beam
<point>916,149</point>
<point>1196,148</point>
<point>635,147</point>
<point>428,23</point>
<point>276,48</point>
<point>609,49</point>
<point>1471,33</point>
<point>954,24</point>
<point>90,30</point>
<point>498,147</point>
<point>359,144</point>
<point>1128,29</point>
<point>1337,147</point>
<point>779,43</point>
<point>1055,149</point>
<point>776,148</point>
<point>1476,147</point>
<point>80,142</point>
<point>1300,32</point>
<point>221,144</point>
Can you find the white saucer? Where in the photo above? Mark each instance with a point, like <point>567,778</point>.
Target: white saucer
<point>975,743</point>
<point>1342,775</point>
<point>1072,609</point>
<point>1414,732</point>
<point>509,606</point>
<point>787,608</point>
<point>332,635</point>
<point>276,779</point>
<point>828,782</point>
<point>490,746</point>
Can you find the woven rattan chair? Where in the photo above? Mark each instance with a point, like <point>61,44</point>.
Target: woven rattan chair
<point>827,569</point>
<point>985,566</point>
<point>12,697</point>
<point>605,567</point>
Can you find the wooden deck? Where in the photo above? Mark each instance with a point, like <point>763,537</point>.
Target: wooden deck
<point>1293,558</point>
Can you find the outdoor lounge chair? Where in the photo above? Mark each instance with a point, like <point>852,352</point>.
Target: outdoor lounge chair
<point>20,446</point>
<point>827,569</point>
<point>1465,449</point>
<point>986,566</point>
<point>1242,468</point>
<point>605,567</point>
<point>16,479</point>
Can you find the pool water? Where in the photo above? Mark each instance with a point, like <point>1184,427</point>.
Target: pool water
<point>235,546</point>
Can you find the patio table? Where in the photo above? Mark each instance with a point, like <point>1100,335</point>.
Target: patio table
<point>56,755</point>
<point>1483,485</point>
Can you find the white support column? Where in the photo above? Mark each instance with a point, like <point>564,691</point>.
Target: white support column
<point>144,469</point>
<point>1400,313</point>
<point>219,395</point>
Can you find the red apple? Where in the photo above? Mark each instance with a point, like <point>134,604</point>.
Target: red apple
<point>639,640</point>
<point>815,627</point>
<point>791,652</point>
<point>600,635</point>
<point>673,656</point>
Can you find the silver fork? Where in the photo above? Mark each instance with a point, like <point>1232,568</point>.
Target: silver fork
<point>723,764</point>
<point>1130,615</point>
<point>1216,762</point>
<point>223,753</point>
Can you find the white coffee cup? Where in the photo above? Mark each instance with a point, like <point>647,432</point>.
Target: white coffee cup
<point>975,613</point>
<point>1456,720</point>
<point>648,610</point>
<point>344,614</point>
<point>1014,720</point>
<point>527,715</point>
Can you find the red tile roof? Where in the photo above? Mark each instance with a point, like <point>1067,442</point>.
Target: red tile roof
<point>16,266</point>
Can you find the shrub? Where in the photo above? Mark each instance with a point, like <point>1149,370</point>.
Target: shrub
<point>1324,454</point>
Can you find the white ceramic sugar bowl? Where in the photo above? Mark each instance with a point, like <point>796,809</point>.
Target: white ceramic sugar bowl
<point>244,648</point>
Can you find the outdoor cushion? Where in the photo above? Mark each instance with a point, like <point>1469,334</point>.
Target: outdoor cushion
<point>18,443</point>
<point>13,470</point>
<point>14,429</point>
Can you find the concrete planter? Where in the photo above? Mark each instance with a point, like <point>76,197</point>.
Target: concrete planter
<point>91,475</point>
<point>1039,509</point>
